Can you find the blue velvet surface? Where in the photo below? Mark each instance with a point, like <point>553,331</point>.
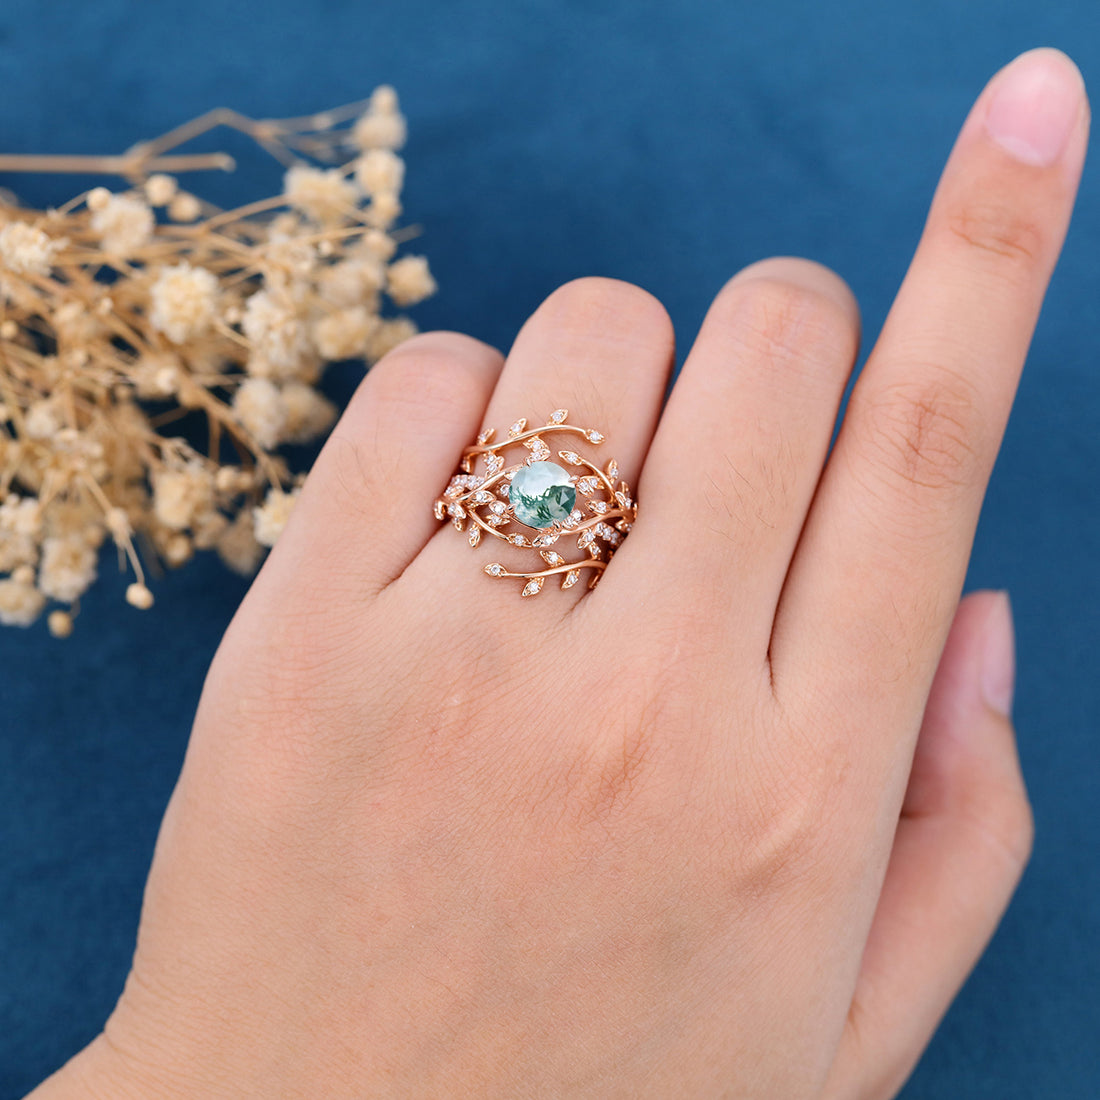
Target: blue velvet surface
<point>664,143</point>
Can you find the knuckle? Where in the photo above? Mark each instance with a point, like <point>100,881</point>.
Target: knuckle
<point>786,323</point>
<point>426,374</point>
<point>997,230</point>
<point>617,312</point>
<point>1003,818</point>
<point>923,435</point>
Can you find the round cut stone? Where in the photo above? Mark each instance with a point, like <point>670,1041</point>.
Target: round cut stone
<point>542,494</point>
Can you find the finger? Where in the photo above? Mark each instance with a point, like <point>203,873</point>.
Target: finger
<point>602,350</point>
<point>874,582</point>
<point>365,510</point>
<point>733,467</point>
<point>961,845</point>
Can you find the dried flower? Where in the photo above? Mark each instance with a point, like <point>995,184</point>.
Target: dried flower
<point>114,327</point>
<point>124,223</point>
<point>183,299</point>
<point>271,517</point>
<point>325,196</point>
<point>408,280</point>
<point>26,249</point>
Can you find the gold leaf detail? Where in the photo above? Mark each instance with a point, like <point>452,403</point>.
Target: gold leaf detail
<point>475,536</point>
<point>517,427</point>
<point>558,416</point>
<point>571,578</point>
<point>533,587</point>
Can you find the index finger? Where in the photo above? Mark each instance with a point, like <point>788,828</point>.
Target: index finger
<point>871,590</point>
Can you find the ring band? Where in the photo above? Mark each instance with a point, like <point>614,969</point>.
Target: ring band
<point>537,503</point>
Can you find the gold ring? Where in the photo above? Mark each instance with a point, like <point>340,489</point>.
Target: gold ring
<point>538,503</point>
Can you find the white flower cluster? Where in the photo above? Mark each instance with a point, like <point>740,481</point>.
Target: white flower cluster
<point>225,319</point>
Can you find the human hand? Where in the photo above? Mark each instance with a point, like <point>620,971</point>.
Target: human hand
<point>675,837</point>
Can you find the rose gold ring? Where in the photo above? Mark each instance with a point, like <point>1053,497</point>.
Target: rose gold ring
<point>538,503</point>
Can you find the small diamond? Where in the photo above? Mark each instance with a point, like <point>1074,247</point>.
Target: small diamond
<point>494,569</point>
<point>587,485</point>
<point>533,587</point>
<point>518,540</point>
<point>593,436</point>
<point>546,540</point>
<point>486,435</point>
<point>494,463</point>
<point>552,557</point>
<point>598,506</point>
<point>455,509</point>
<point>571,457</point>
<point>517,427</point>
<point>558,416</point>
<point>482,496</point>
<point>572,519</point>
<point>612,470</point>
<point>496,521</point>
<point>586,538</point>
<point>504,488</point>
<point>623,499</point>
<point>475,536</point>
<point>498,507</point>
<point>571,578</point>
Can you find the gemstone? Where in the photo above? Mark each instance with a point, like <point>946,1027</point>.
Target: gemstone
<point>542,494</point>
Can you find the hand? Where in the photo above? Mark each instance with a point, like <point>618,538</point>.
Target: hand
<point>719,827</point>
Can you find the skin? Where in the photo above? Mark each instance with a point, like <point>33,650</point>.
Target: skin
<point>737,823</point>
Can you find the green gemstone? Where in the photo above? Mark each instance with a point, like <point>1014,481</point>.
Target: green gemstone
<point>542,494</point>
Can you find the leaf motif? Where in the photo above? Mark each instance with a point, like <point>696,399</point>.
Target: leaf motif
<point>440,509</point>
<point>585,538</point>
<point>571,578</point>
<point>518,540</point>
<point>494,569</point>
<point>486,436</point>
<point>552,557</point>
<point>558,416</point>
<point>547,539</point>
<point>493,463</point>
<point>475,536</point>
<point>571,457</point>
<point>612,470</point>
<point>517,427</point>
<point>587,485</point>
<point>533,587</point>
<point>594,436</point>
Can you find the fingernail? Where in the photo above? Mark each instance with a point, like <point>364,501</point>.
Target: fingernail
<point>998,670</point>
<point>1035,106</point>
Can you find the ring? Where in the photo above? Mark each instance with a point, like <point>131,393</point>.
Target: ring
<point>544,500</point>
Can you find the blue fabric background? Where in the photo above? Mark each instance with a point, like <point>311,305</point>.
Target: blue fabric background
<point>664,143</point>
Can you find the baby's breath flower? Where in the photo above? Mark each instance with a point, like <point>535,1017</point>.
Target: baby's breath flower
<point>124,224</point>
<point>68,567</point>
<point>384,210</point>
<point>378,245</point>
<point>21,515</point>
<point>388,335</point>
<point>322,194</point>
<point>184,207</point>
<point>43,420</point>
<point>238,547</point>
<point>353,282</point>
<point>17,550</point>
<point>276,332</point>
<point>137,595</point>
<point>160,190</point>
<point>178,495</point>
<point>184,300</point>
<point>60,624</point>
<point>260,409</point>
<point>307,413</point>
<point>380,170</point>
<point>26,249</point>
<point>343,333</point>
<point>98,198</point>
<point>382,126</point>
<point>408,280</point>
<point>156,375</point>
<point>20,603</point>
<point>271,517</point>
